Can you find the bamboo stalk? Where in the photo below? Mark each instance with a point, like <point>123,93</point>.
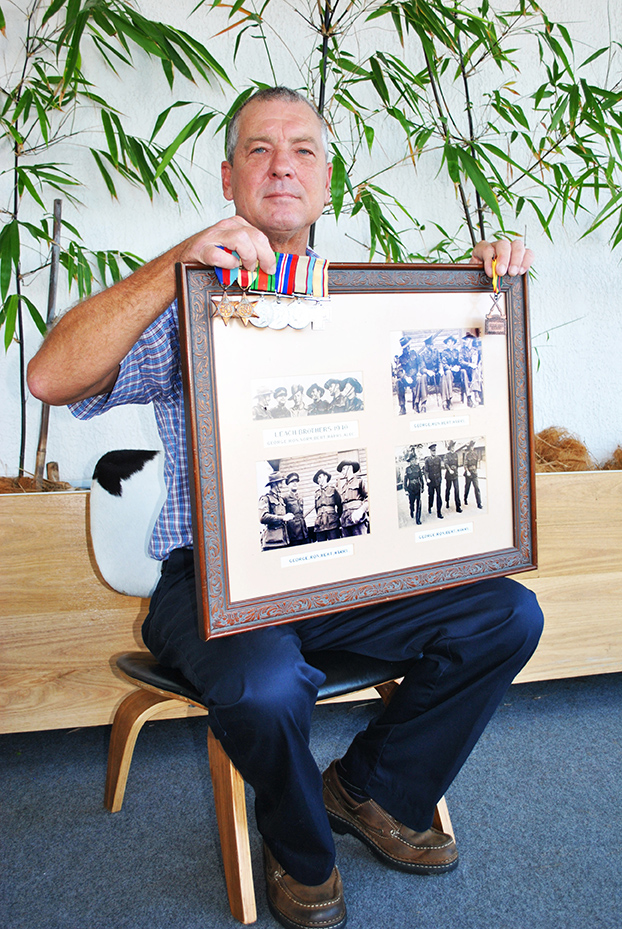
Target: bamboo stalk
<point>52,289</point>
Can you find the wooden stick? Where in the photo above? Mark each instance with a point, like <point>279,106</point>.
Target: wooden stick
<point>45,409</point>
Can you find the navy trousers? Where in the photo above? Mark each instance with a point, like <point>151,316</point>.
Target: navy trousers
<point>471,642</point>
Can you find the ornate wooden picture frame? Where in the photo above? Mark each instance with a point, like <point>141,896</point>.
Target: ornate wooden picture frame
<point>380,450</point>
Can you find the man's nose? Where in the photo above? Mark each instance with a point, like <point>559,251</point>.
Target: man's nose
<point>281,165</point>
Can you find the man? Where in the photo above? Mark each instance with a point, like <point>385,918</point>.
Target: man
<point>429,378</point>
<point>328,508</point>
<point>409,365</point>
<point>353,493</point>
<point>273,514</point>
<point>471,464</point>
<point>451,475</point>
<point>317,406</point>
<point>433,470</point>
<point>262,404</point>
<point>298,407</point>
<point>470,363</point>
<point>122,346</point>
<point>350,387</point>
<point>280,411</point>
<point>452,374</point>
<point>413,486</point>
<point>297,531</point>
<point>337,402</point>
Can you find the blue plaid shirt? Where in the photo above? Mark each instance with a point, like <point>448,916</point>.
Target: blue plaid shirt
<point>151,373</point>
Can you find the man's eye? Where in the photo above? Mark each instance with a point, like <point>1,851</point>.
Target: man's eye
<point>258,150</point>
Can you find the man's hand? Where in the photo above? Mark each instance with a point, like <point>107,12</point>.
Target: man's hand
<point>512,256</point>
<point>236,234</point>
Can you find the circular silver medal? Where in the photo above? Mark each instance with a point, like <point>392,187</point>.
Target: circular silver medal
<point>280,315</point>
<point>263,309</point>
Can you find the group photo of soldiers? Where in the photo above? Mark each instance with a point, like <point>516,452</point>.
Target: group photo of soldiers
<point>308,396</point>
<point>440,480</point>
<point>313,499</point>
<point>435,370</point>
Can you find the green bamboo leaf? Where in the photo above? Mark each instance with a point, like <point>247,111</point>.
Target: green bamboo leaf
<point>197,123</point>
<point>52,9</point>
<point>24,182</point>
<point>35,315</point>
<point>377,79</point>
<point>593,57</point>
<point>9,254</point>
<point>101,266</point>
<point>114,268</point>
<point>163,116</point>
<point>104,173</point>
<point>110,136</point>
<point>2,23</point>
<point>450,155</point>
<point>338,183</point>
<point>479,182</point>
<point>9,311</point>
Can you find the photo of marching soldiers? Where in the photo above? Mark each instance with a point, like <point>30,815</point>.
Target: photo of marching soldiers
<point>316,395</point>
<point>313,499</point>
<point>440,481</point>
<point>438,369</point>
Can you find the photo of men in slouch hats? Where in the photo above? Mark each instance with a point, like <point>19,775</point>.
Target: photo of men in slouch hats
<point>310,395</point>
<point>316,498</point>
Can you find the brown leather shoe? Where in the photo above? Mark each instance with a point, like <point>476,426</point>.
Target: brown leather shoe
<point>300,906</point>
<point>429,852</point>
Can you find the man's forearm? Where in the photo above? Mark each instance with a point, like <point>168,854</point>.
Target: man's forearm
<point>81,355</point>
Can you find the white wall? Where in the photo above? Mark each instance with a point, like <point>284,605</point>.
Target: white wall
<point>577,284</point>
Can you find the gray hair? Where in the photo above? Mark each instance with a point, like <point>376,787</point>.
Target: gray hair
<point>270,93</point>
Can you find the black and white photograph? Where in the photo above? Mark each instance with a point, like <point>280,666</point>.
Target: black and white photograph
<point>436,370</point>
<point>315,395</point>
<point>318,498</point>
<point>443,479</point>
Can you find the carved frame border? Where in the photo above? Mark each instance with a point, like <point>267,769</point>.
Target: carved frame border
<point>217,614</point>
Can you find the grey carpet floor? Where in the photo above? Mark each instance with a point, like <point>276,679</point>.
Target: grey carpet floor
<point>537,811</point>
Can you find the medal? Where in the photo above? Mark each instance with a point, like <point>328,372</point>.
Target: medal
<point>245,310</point>
<point>301,278</point>
<point>224,308</point>
<point>496,321</point>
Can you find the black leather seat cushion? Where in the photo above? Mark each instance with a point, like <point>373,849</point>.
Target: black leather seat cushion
<point>345,673</point>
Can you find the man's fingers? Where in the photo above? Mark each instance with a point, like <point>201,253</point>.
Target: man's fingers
<point>233,243</point>
<point>512,256</point>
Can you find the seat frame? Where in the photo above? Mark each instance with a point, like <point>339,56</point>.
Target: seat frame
<point>228,785</point>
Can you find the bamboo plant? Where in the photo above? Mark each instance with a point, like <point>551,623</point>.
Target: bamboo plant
<point>513,152</point>
<point>44,97</point>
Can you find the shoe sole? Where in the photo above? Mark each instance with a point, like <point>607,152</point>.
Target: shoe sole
<point>289,924</point>
<point>343,826</point>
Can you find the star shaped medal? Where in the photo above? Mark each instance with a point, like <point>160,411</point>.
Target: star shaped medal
<point>224,308</point>
<point>245,310</point>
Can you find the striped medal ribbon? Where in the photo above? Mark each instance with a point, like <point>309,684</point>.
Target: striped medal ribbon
<point>296,275</point>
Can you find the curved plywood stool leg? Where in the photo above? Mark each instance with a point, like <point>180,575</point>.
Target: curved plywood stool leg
<point>133,713</point>
<point>230,804</point>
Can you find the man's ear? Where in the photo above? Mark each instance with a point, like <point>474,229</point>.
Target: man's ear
<point>329,174</point>
<point>225,175</point>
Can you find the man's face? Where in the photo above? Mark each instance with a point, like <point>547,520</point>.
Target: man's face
<point>279,179</point>
<point>322,480</point>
